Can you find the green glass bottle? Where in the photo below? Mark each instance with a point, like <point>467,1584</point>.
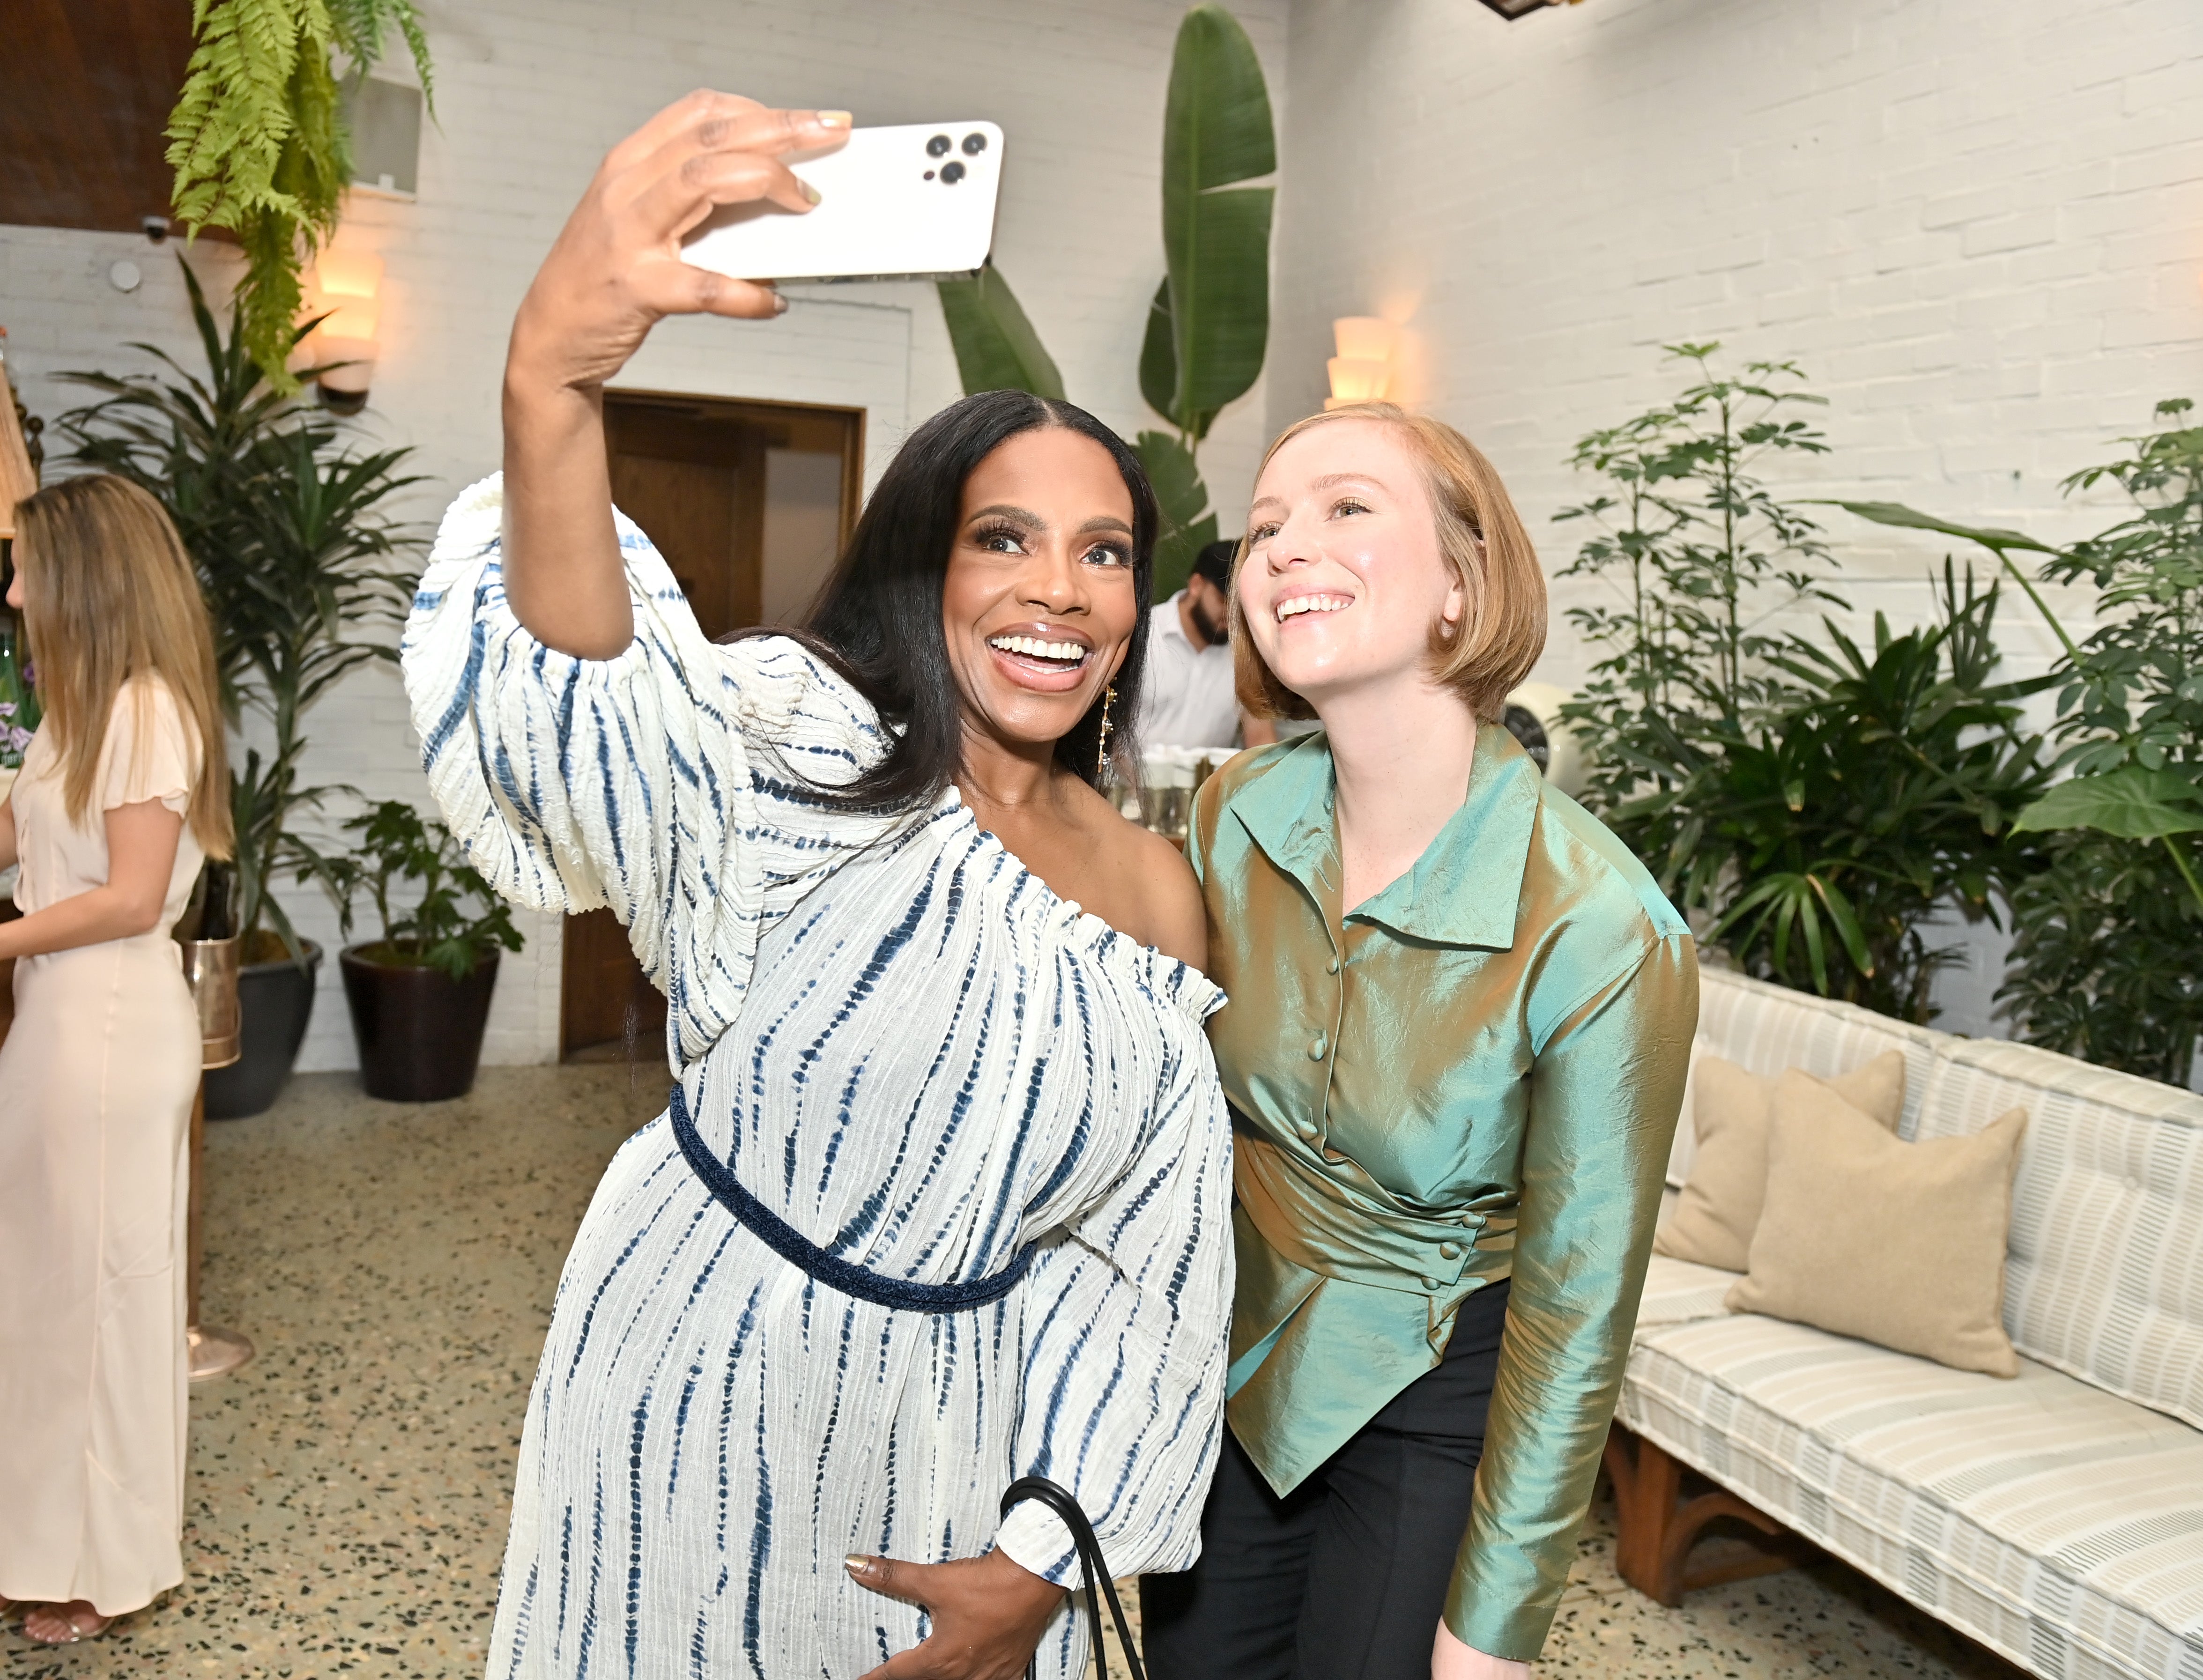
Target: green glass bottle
<point>19,700</point>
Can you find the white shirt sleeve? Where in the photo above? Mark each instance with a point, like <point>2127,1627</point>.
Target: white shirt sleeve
<point>628,782</point>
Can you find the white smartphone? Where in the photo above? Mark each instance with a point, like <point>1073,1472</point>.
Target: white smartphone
<point>914,201</point>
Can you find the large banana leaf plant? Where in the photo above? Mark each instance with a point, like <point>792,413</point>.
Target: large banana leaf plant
<point>1209,326</point>
<point>291,540</point>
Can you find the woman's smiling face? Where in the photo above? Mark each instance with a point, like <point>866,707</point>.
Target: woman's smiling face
<point>1343,580</point>
<point>1038,605</point>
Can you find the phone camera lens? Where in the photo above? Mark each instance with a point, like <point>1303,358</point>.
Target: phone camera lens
<point>938,146</point>
<point>952,173</point>
<point>974,145</point>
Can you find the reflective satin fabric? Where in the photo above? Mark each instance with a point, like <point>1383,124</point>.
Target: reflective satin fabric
<point>1473,1075</point>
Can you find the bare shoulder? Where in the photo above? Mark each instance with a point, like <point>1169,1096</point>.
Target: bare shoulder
<point>1141,885</point>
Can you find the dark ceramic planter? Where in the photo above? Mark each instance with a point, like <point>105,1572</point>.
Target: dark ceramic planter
<point>275,1001</point>
<point>419,1031</point>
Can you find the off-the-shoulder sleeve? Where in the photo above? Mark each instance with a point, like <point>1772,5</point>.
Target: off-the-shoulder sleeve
<point>150,752</point>
<point>670,782</point>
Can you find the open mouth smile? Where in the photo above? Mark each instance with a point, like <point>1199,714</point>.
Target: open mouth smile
<point>1049,662</point>
<point>1300,606</point>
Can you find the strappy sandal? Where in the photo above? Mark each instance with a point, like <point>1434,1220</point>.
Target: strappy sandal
<point>73,1615</point>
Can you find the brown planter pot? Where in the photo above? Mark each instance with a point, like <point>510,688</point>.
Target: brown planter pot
<point>419,1031</point>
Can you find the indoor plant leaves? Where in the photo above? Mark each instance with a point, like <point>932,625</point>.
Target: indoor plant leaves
<point>996,348</point>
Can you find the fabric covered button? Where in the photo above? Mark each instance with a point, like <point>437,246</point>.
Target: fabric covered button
<point>1331,967</point>
<point>1450,1251</point>
<point>1430,1283</point>
<point>1316,1048</point>
<point>1306,1128</point>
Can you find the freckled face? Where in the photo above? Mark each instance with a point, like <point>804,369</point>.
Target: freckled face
<point>1343,579</point>
<point>1038,604</point>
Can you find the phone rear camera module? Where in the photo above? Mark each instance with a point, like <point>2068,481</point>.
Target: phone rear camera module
<point>952,173</point>
<point>974,145</point>
<point>938,146</point>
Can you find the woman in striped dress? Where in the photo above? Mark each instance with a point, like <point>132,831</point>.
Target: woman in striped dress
<point>941,1195</point>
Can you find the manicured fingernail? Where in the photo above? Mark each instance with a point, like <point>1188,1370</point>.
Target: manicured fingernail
<point>833,118</point>
<point>810,191</point>
<point>779,304</point>
<point>857,1563</point>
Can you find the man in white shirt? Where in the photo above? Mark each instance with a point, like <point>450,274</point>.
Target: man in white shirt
<point>1189,699</point>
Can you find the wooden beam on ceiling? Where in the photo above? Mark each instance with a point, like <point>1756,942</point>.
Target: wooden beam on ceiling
<point>86,89</point>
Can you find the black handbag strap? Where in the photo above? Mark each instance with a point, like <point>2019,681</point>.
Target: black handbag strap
<point>1058,1498</point>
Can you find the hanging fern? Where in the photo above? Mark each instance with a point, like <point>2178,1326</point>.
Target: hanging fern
<point>258,144</point>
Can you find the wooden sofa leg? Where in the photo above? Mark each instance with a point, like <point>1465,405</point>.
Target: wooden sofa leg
<point>1658,1526</point>
<point>1646,1482</point>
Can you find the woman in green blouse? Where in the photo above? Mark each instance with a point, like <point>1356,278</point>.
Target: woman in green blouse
<point>1461,1017</point>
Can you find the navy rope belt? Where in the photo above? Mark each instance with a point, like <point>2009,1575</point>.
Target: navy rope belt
<point>807,1257</point>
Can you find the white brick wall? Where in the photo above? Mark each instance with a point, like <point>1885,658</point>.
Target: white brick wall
<point>529,96</point>
<point>1978,223</point>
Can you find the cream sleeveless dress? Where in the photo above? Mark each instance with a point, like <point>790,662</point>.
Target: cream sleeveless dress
<point>96,1085</point>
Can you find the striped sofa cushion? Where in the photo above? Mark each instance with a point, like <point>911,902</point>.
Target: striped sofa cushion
<point>1767,1028</point>
<point>2105,1269</point>
<point>2052,1522</point>
<point>1677,1292</point>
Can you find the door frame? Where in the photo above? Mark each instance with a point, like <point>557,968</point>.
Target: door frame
<point>761,411</point>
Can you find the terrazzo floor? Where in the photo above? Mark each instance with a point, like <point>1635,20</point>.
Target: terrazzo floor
<point>395,1265</point>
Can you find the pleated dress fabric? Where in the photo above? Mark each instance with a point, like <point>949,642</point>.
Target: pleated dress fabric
<point>96,1086</point>
<point>907,1049</point>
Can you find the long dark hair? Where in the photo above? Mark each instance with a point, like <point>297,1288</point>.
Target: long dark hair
<point>878,616</point>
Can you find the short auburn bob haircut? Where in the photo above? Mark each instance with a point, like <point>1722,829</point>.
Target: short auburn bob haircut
<point>1481,537</point>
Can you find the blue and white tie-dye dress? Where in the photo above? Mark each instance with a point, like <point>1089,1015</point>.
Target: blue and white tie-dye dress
<point>907,1048</point>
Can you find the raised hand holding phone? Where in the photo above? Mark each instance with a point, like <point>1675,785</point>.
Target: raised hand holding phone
<point>614,272</point>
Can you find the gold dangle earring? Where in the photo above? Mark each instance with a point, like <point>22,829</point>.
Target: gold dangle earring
<point>1101,753</point>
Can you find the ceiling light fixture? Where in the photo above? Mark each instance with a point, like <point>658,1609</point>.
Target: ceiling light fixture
<point>1511,9</point>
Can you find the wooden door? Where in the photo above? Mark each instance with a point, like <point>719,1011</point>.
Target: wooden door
<point>696,474</point>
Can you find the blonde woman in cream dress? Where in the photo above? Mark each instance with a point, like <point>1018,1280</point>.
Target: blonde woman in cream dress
<point>123,792</point>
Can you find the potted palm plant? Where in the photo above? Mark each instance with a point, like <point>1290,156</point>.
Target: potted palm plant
<point>293,549</point>
<point>419,994</point>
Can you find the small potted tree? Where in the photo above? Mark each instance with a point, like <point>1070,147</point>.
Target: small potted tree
<point>420,993</point>
<point>306,577</point>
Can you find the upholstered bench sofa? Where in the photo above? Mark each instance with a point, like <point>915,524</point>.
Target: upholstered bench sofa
<point>2056,1516</point>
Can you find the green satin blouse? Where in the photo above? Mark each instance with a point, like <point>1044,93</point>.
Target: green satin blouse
<point>1473,1075</point>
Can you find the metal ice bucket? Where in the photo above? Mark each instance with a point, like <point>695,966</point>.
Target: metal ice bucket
<point>211,971</point>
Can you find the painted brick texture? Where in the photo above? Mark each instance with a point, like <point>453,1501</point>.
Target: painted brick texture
<point>1978,224</point>
<point>528,98</point>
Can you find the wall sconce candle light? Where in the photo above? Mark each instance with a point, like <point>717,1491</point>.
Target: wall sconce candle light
<point>345,286</point>
<point>1361,372</point>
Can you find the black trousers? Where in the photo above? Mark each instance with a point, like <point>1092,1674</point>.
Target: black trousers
<point>1344,1578</point>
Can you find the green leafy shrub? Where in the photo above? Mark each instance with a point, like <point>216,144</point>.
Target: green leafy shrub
<point>258,144</point>
<point>454,922</point>
<point>1701,555</point>
<point>2104,959</point>
<point>1812,803</point>
<point>1878,788</point>
<point>288,529</point>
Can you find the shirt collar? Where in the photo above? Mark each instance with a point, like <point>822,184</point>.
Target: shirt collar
<point>1165,622</point>
<point>1466,887</point>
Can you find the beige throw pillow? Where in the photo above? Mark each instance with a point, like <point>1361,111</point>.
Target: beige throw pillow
<point>1897,1243</point>
<point>1731,1109</point>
